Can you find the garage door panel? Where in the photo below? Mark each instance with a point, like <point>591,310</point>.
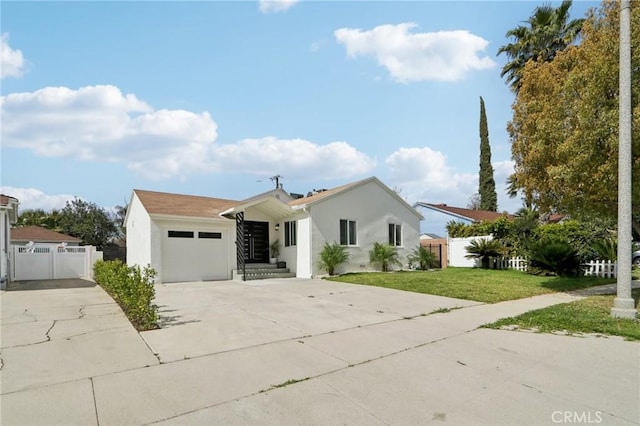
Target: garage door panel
<point>195,259</point>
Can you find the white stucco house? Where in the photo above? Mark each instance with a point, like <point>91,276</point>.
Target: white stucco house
<point>194,238</point>
<point>8,216</point>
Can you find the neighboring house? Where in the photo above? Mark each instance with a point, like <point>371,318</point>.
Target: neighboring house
<point>192,238</point>
<point>438,215</point>
<point>8,216</point>
<point>41,236</point>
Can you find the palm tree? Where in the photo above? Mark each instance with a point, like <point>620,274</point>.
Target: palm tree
<point>423,257</point>
<point>546,32</point>
<point>332,256</point>
<point>384,255</point>
<point>485,250</point>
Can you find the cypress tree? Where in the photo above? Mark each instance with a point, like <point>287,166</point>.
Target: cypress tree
<point>487,185</point>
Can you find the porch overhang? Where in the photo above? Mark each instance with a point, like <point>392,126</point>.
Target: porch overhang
<point>268,205</point>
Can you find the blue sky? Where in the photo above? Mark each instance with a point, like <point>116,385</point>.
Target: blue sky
<point>212,98</point>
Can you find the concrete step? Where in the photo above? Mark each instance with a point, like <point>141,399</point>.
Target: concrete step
<point>255,273</point>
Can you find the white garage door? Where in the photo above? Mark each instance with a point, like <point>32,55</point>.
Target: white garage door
<point>193,255</point>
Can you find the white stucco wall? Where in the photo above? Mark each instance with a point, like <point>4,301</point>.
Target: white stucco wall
<point>5,230</point>
<point>138,235</point>
<point>373,209</point>
<point>303,249</point>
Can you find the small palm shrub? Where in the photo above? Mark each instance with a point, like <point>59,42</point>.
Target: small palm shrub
<point>606,249</point>
<point>332,256</point>
<point>132,288</point>
<point>423,257</point>
<point>485,250</point>
<point>384,255</point>
<point>555,256</point>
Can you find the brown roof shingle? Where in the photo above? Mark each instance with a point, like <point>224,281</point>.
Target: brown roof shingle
<point>183,205</point>
<point>324,194</point>
<point>40,234</point>
<point>4,199</point>
<point>475,215</point>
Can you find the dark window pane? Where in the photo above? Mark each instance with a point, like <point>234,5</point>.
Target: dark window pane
<point>215,235</point>
<point>343,232</point>
<point>180,234</point>
<point>287,234</point>
<point>352,233</point>
<point>392,229</point>
<point>294,233</point>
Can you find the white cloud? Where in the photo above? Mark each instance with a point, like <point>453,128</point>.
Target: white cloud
<point>31,198</point>
<point>503,169</point>
<point>296,158</point>
<point>423,174</point>
<point>12,62</point>
<point>101,123</point>
<point>439,56</point>
<point>274,6</point>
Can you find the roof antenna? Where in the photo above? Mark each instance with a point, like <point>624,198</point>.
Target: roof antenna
<point>276,179</point>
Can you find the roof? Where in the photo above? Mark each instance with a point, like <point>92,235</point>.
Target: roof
<point>473,215</point>
<point>328,193</point>
<point>182,205</point>
<point>40,234</point>
<point>6,199</point>
<point>324,194</point>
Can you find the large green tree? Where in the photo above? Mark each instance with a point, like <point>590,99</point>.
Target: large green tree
<point>40,217</point>
<point>87,221</point>
<point>547,32</point>
<point>486,184</point>
<point>564,130</point>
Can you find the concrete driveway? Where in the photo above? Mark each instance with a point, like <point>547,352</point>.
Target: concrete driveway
<point>302,352</point>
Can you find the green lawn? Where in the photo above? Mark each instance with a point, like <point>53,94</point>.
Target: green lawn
<point>590,315</point>
<point>489,286</point>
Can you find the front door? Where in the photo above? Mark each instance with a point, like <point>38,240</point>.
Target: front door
<point>256,242</point>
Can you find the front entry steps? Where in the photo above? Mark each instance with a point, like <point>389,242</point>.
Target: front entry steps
<point>262,271</point>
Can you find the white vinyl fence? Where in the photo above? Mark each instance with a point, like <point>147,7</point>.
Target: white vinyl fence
<point>457,253</point>
<point>53,262</point>
<point>594,268</point>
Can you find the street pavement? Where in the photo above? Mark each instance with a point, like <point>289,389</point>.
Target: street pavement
<point>294,351</point>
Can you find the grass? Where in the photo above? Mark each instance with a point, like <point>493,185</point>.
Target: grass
<point>589,315</point>
<point>482,285</point>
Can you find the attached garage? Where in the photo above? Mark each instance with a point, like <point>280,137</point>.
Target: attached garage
<point>195,254</point>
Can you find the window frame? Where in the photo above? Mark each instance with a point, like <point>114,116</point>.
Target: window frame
<point>290,233</point>
<point>395,234</point>
<point>348,232</point>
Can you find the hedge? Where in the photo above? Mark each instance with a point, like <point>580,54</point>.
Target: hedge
<point>132,288</point>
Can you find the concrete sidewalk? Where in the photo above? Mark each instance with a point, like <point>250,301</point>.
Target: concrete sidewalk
<point>302,352</point>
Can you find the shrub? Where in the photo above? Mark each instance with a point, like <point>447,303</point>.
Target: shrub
<point>556,256</point>
<point>132,288</point>
<point>606,249</point>
<point>423,257</point>
<point>332,256</point>
<point>384,255</point>
<point>485,250</point>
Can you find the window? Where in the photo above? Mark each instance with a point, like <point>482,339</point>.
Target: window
<point>290,234</point>
<point>395,235</point>
<point>213,235</point>
<point>348,232</point>
<point>180,234</point>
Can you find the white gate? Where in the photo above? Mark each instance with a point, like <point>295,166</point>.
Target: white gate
<point>52,262</point>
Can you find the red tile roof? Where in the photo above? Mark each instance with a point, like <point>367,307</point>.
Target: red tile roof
<point>474,215</point>
<point>40,234</point>
<point>4,199</point>
<point>183,205</point>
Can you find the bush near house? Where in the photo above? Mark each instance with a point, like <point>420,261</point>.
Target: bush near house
<point>132,288</point>
<point>384,255</point>
<point>332,256</point>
